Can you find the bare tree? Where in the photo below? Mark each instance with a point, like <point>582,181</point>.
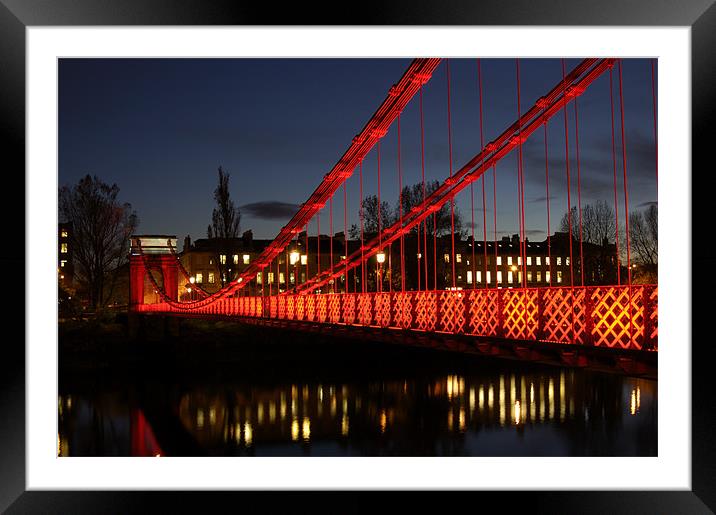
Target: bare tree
<point>371,223</point>
<point>644,233</point>
<point>225,220</point>
<point>101,228</point>
<point>598,223</point>
<point>412,196</point>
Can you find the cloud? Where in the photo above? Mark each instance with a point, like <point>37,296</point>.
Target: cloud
<point>541,199</point>
<point>648,204</point>
<point>270,210</point>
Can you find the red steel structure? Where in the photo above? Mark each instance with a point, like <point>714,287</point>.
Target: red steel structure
<point>617,316</point>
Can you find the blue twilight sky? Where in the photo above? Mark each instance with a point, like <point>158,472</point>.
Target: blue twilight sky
<point>160,128</point>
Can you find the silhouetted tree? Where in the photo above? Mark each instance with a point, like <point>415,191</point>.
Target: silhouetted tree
<point>644,241</point>
<point>225,220</point>
<point>411,197</point>
<point>598,233</point>
<point>101,227</point>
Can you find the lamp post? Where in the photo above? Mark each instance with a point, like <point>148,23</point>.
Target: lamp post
<point>380,257</point>
<point>293,258</point>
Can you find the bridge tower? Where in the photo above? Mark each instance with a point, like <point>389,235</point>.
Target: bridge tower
<point>149,253</point>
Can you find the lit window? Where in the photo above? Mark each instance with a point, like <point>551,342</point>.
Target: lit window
<point>499,277</point>
<point>63,263</point>
<point>519,260</point>
<point>559,261</point>
<point>303,277</point>
<point>458,258</point>
<point>281,278</point>
<point>246,259</point>
<point>539,260</point>
<point>566,261</point>
<point>222,259</point>
<point>529,277</point>
<point>304,259</point>
<point>270,277</point>
<point>539,276</point>
<point>529,260</point>
<point>236,259</point>
<point>446,257</point>
<point>547,276</point>
<point>559,276</point>
<point>64,233</point>
<point>509,277</point>
<point>63,248</point>
<point>292,278</point>
<point>469,276</point>
<point>519,277</point>
<point>546,261</point>
<point>479,276</point>
<point>489,277</point>
<point>258,278</point>
<point>499,260</point>
<point>211,277</point>
<point>509,260</point>
<point>199,277</point>
<point>211,261</point>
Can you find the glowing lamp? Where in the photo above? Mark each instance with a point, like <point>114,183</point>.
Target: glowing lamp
<point>294,257</point>
<point>381,257</point>
<point>513,268</point>
<point>189,290</point>
<point>192,279</point>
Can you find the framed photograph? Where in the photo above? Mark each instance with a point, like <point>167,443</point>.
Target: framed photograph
<point>483,181</point>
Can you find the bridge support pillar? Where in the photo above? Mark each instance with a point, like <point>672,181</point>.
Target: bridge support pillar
<point>136,281</point>
<point>170,276</point>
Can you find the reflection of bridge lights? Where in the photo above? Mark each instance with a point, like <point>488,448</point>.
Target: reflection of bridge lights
<point>306,428</point>
<point>481,397</point>
<point>294,429</point>
<point>472,399</point>
<point>344,425</point>
<point>200,418</point>
<point>562,399</point>
<point>383,421</point>
<point>518,412</point>
<point>550,393</point>
<point>461,419</point>
<point>248,433</point>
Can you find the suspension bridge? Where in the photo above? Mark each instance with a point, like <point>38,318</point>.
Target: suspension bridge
<point>402,280</point>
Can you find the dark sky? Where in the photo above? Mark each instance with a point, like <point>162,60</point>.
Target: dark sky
<point>160,128</point>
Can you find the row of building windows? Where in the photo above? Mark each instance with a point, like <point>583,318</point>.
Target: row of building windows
<point>510,277</point>
<point>245,258</point>
<point>537,260</point>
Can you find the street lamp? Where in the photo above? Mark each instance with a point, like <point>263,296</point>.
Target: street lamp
<point>192,279</point>
<point>293,258</point>
<point>380,257</point>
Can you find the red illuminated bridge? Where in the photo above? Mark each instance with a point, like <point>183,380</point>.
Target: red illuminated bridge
<point>400,279</point>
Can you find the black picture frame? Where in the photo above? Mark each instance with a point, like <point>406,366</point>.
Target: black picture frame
<point>17,15</point>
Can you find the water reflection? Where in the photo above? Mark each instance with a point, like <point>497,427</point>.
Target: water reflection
<point>544,412</point>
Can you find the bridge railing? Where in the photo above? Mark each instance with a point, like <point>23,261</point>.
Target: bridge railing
<point>605,316</point>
